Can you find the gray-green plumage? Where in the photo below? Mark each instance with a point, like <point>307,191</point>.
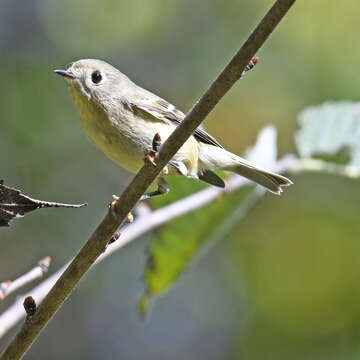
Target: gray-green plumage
<point>122,119</point>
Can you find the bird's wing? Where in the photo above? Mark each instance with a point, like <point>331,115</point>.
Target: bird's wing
<point>162,110</point>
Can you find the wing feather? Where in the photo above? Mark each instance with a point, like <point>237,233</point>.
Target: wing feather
<point>164,111</point>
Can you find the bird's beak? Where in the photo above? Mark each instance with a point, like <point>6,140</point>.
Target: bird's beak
<point>65,73</point>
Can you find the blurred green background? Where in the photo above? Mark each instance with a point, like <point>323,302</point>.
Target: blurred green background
<point>285,283</point>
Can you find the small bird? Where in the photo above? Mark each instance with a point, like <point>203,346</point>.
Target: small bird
<point>122,119</point>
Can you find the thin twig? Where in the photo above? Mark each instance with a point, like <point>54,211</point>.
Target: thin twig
<point>143,224</point>
<point>96,244</point>
<point>8,287</point>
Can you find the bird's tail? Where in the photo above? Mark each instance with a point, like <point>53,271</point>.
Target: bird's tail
<point>273,182</point>
<point>215,158</point>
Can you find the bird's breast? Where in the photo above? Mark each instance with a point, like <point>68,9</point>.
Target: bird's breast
<point>125,137</point>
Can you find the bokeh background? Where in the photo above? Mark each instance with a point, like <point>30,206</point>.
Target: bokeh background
<point>285,283</point>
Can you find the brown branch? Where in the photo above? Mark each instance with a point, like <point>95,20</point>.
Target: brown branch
<point>98,240</point>
<point>145,222</point>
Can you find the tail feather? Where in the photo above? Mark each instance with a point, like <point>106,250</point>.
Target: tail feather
<point>213,158</point>
<point>273,182</point>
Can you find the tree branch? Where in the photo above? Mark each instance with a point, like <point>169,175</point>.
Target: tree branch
<point>142,225</point>
<point>96,244</point>
<point>8,287</point>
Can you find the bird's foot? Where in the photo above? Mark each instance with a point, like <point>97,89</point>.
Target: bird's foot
<point>151,154</point>
<point>150,157</point>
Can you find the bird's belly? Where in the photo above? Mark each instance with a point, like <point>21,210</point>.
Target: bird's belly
<point>120,150</point>
<point>123,150</point>
<point>127,145</point>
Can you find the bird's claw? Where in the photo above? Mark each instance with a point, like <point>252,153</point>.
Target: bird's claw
<point>150,156</point>
<point>152,153</point>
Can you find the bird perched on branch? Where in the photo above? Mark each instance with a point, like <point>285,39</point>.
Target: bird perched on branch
<point>122,119</point>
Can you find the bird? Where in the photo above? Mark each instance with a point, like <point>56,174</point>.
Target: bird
<point>122,118</point>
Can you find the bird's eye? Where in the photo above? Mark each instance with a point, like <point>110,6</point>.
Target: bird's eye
<point>96,77</point>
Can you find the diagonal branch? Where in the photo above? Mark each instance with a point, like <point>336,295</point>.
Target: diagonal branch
<point>142,225</point>
<point>98,240</point>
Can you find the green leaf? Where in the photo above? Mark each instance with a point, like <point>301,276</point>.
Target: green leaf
<point>330,134</point>
<point>177,244</point>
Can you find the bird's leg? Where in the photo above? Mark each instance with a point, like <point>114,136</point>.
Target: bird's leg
<point>152,194</point>
<point>152,153</point>
<point>163,188</point>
